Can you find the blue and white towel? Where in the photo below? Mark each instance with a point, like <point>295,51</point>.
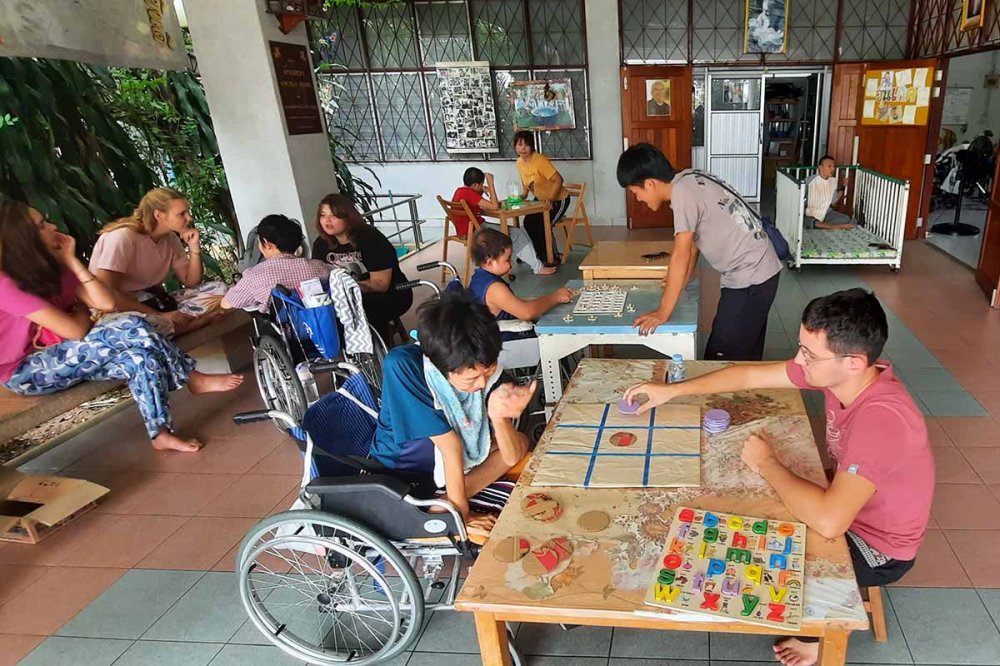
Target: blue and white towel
<point>346,296</point>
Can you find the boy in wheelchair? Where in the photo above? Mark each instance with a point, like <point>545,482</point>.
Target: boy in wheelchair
<point>278,238</point>
<point>491,250</point>
<point>445,410</point>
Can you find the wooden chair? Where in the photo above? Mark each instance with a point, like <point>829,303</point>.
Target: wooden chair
<point>874,607</point>
<point>579,216</point>
<point>452,208</point>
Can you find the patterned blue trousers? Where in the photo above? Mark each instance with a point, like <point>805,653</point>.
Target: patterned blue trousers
<point>124,347</point>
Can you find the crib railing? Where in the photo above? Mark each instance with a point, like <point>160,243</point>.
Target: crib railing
<point>880,203</point>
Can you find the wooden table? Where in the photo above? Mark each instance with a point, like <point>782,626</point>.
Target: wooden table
<point>604,582</point>
<point>622,260</point>
<point>558,338</point>
<point>505,215</point>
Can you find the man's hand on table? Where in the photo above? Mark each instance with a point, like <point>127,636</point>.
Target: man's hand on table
<point>648,322</point>
<point>657,392</point>
<point>758,453</point>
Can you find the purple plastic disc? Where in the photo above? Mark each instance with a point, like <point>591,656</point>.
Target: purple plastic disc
<point>625,408</point>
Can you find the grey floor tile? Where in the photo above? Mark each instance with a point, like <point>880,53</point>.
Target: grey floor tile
<point>551,639</point>
<point>743,663</point>
<point>131,606</point>
<point>951,403</point>
<point>214,601</point>
<point>58,651</point>
<point>863,649</point>
<point>252,655</point>
<point>160,653</point>
<point>624,661</point>
<point>937,379</point>
<point>249,635</point>
<point>991,599</point>
<point>946,626</point>
<point>443,659</point>
<point>449,632</point>
<point>914,358</point>
<point>653,644</point>
<point>741,647</point>
<point>577,661</point>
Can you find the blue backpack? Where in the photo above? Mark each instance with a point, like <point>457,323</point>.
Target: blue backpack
<point>777,240</point>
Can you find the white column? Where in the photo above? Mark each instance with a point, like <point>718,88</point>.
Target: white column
<point>603,58</point>
<point>268,170</point>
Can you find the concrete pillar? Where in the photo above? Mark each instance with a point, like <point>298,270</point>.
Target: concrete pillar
<point>268,170</point>
<point>603,58</point>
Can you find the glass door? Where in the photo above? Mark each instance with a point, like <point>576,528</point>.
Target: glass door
<point>734,130</point>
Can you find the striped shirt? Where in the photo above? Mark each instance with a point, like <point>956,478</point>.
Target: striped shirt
<point>253,291</point>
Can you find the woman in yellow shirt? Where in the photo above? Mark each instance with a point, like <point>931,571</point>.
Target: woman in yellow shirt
<point>540,178</point>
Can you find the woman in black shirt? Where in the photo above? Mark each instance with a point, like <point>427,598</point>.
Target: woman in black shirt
<point>343,239</point>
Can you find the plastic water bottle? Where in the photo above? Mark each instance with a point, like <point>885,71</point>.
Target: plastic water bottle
<point>676,373</point>
<point>308,382</point>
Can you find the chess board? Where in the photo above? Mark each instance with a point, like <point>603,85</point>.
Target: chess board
<point>600,301</point>
<point>596,446</point>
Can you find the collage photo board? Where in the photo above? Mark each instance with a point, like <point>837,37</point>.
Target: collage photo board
<point>734,567</point>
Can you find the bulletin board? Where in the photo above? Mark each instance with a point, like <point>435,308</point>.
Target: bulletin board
<point>897,96</point>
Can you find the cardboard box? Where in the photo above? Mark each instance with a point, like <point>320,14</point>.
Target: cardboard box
<point>32,507</point>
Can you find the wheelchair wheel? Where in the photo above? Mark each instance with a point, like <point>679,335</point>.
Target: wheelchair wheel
<point>276,379</point>
<point>327,590</point>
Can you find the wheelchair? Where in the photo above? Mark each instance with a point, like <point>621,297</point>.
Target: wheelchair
<point>290,334</point>
<point>351,576</point>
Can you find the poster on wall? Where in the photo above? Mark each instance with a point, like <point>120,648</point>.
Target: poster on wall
<point>657,97</point>
<point>470,122</point>
<point>766,26</point>
<point>897,96</point>
<point>543,105</point>
<point>973,14</point>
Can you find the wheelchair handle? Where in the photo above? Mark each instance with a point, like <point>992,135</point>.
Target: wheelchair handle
<point>439,264</point>
<point>413,284</point>
<point>334,366</point>
<point>263,415</point>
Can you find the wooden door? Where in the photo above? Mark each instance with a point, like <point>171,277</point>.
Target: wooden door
<point>847,82</point>
<point>901,150</point>
<point>988,272</point>
<point>645,120</point>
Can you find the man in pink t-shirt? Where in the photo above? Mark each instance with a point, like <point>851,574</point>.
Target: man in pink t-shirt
<point>881,492</point>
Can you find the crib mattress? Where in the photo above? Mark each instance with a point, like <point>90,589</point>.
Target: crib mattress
<point>854,243</point>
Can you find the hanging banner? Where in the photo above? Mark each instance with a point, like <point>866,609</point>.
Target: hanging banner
<point>470,123</point>
<point>897,96</point>
<point>114,33</point>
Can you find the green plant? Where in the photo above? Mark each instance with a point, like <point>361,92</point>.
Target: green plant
<point>8,120</point>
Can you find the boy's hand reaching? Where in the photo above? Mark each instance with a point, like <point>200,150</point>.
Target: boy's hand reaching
<point>510,400</point>
<point>657,392</point>
<point>563,295</point>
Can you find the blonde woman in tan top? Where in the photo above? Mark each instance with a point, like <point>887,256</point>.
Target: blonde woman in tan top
<point>134,255</point>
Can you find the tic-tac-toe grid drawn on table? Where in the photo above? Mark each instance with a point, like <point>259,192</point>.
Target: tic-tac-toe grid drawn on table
<point>596,446</point>
<point>603,300</point>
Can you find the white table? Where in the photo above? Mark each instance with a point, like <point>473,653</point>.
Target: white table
<point>558,338</point>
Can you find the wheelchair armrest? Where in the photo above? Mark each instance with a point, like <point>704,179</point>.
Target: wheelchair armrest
<point>364,483</point>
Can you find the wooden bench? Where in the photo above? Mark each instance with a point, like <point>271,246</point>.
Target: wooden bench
<point>219,347</point>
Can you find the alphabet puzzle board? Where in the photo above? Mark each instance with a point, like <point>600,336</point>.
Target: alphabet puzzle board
<point>601,300</point>
<point>731,566</point>
<point>596,446</point>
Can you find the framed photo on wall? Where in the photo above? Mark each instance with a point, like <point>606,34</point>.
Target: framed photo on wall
<point>543,105</point>
<point>973,14</point>
<point>657,98</point>
<point>766,26</point>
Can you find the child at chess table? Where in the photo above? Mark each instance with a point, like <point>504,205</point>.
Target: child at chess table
<point>480,193</point>
<point>446,411</point>
<point>491,250</point>
<point>881,492</point>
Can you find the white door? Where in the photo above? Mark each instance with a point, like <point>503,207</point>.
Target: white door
<point>734,130</point>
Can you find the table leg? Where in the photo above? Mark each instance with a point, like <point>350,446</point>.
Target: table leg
<point>551,379</point>
<point>548,236</point>
<point>492,634</point>
<point>833,648</point>
<point>503,224</point>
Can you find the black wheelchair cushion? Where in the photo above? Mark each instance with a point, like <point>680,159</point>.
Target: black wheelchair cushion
<point>376,500</point>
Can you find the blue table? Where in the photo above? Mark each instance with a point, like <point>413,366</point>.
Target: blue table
<point>558,338</point>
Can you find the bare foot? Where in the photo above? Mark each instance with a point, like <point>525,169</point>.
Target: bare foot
<point>199,382</point>
<point>167,441</point>
<point>546,270</point>
<point>793,652</point>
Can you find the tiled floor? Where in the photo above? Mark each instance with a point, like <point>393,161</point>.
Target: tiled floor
<point>146,578</point>
<point>963,248</point>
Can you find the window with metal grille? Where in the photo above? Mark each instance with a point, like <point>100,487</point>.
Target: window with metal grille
<point>378,81</point>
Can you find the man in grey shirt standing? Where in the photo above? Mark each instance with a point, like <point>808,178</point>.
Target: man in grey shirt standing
<point>711,218</point>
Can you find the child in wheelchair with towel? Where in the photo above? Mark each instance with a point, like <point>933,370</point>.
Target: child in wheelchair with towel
<point>446,411</point>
